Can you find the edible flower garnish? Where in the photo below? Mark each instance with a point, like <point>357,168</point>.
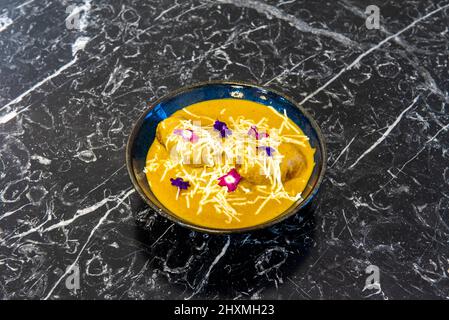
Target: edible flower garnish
<point>268,150</point>
<point>253,132</point>
<point>230,180</point>
<point>180,183</point>
<point>222,128</point>
<point>186,134</point>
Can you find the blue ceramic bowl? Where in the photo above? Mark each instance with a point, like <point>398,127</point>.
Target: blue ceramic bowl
<point>144,133</point>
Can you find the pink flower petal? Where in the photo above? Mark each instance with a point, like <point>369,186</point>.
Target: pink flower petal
<point>230,180</point>
<point>186,134</point>
<point>254,132</point>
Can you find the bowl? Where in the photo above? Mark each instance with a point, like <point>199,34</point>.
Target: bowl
<point>144,133</point>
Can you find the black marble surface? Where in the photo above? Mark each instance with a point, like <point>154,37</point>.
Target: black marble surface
<point>69,97</point>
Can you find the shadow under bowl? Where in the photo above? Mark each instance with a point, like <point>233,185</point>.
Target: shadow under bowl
<point>144,133</point>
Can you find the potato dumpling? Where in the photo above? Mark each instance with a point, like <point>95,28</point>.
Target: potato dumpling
<point>293,162</point>
<point>179,146</point>
<point>253,173</point>
<point>166,128</point>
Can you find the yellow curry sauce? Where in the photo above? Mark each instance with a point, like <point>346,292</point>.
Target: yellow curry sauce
<point>206,150</point>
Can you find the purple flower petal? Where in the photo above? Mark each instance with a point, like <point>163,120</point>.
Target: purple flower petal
<point>222,128</point>
<point>180,183</point>
<point>268,150</point>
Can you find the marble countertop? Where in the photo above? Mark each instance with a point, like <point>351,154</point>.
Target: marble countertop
<point>75,75</point>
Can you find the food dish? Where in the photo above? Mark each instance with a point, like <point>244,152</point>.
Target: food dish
<point>247,111</point>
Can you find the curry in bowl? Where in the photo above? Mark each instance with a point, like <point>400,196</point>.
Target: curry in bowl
<point>228,163</point>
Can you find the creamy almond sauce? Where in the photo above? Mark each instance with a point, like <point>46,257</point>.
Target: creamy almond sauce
<point>264,148</point>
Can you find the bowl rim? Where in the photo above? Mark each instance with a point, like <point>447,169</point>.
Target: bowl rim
<point>184,223</point>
